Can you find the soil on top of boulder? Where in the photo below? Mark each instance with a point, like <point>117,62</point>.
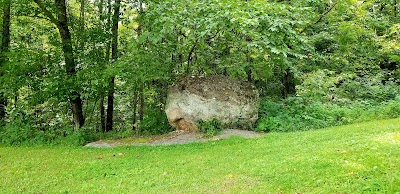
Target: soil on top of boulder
<point>217,87</point>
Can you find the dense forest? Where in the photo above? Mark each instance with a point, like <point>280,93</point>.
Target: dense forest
<point>76,70</point>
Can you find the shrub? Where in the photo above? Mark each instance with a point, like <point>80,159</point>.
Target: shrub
<point>155,122</point>
<point>23,132</point>
<point>210,128</point>
<point>299,114</point>
<point>16,133</point>
<point>326,86</point>
<point>79,137</point>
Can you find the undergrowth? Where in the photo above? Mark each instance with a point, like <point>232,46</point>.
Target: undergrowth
<point>23,131</point>
<point>210,127</point>
<point>300,114</point>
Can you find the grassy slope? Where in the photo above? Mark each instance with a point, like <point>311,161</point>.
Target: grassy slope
<point>348,159</point>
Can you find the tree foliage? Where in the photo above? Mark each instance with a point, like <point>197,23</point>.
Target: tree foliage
<point>61,56</point>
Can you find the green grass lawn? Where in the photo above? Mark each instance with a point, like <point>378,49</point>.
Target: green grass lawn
<point>358,158</point>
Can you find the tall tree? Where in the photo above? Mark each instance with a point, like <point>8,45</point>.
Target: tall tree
<point>108,26</point>
<point>102,109</point>
<point>5,44</point>
<point>140,89</point>
<point>114,55</point>
<point>62,25</point>
<point>82,24</point>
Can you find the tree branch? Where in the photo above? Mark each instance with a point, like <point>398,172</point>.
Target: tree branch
<point>320,17</point>
<point>190,55</point>
<point>46,12</point>
<point>39,17</point>
<point>327,11</point>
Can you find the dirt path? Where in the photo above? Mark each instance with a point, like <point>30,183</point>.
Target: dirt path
<point>177,137</point>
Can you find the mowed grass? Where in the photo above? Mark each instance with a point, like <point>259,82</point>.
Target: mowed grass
<point>358,158</point>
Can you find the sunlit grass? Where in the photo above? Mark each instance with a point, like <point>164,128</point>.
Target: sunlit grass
<point>359,158</point>
<point>391,137</point>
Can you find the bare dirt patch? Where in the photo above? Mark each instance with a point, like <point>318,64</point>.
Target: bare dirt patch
<point>175,137</point>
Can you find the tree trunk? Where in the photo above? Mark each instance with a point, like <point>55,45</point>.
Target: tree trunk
<point>101,10</point>
<point>108,45</point>
<point>76,106</point>
<point>114,54</point>
<point>161,90</point>
<point>82,25</point>
<point>289,87</point>
<point>102,115</point>
<point>114,30</point>
<point>74,96</point>
<point>5,44</point>
<point>249,74</point>
<point>101,104</point>
<point>135,103</point>
<point>62,25</point>
<point>141,96</point>
<point>110,105</point>
<point>138,93</point>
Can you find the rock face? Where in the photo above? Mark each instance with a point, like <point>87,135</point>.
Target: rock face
<point>232,102</point>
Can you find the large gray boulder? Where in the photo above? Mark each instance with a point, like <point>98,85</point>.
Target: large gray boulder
<point>232,102</point>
